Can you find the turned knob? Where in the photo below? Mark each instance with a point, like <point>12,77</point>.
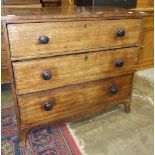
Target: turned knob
<point>48,106</point>
<point>121,33</point>
<point>47,75</point>
<point>119,63</point>
<point>113,90</point>
<point>43,39</point>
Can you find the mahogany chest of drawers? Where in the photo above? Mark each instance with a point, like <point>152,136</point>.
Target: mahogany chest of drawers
<point>70,63</point>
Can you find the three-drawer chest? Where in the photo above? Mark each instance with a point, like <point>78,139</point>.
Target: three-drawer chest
<point>69,63</point>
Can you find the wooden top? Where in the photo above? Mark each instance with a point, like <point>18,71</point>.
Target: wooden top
<point>16,15</point>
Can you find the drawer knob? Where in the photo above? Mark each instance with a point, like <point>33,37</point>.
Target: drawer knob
<point>47,75</point>
<point>119,63</point>
<point>121,33</point>
<point>113,90</point>
<point>43,39</point>
<point>48,105</point>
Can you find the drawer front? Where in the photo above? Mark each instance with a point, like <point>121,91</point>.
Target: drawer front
<point>36,39</point>
<point>73,102</point>
<point>36,75</point>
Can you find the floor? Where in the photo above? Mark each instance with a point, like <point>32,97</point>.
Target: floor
<point>116,132</point>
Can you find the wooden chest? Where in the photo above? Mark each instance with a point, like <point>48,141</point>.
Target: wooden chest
<point>70,63</point>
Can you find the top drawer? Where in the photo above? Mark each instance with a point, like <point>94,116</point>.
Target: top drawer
<point>54,38</point>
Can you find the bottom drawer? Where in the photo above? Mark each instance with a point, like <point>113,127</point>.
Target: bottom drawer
<point>73,102</point>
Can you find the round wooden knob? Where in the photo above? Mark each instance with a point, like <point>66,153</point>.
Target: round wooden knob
<point>121,33</point>
<point>119,63</point>
<point>113,90</point>
<point>43,39</point>
<point>47,75</point>
<point>48,106</point>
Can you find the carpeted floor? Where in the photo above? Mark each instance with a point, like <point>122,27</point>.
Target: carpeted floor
<point>46,140</point>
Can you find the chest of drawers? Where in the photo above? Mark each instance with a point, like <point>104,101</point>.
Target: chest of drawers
<point>69,64</point>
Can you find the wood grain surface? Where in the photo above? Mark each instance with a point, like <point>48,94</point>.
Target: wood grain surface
<point>65,13</point>
<point>146,55</point>
<point>73,102</point>
<point>70,36</point>
<point>145,3</point>
<point>52,4</point>
<point>4,59</point>
<point>149,23</point>
<point>10,75</point>
<point>3,46</point>
<point>5,76</point>
<point>72,69</point>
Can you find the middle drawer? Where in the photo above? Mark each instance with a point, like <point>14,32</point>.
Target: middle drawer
<point>48,73</point>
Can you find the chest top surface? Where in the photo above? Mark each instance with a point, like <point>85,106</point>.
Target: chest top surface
<point>33,15</point>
